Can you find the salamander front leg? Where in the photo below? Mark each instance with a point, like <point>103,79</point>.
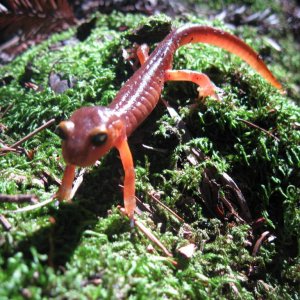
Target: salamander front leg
<point>129,180</point>
<point>65,190</point>
<point>206,87</point>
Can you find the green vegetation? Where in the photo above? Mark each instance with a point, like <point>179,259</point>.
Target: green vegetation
<point>86,250</point>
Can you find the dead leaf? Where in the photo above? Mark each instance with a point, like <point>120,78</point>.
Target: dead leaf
<point>187,251</point>
<point>58,84</point>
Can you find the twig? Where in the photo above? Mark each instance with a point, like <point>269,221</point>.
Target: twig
<point>47,124</point>
<point>77,182</point>
<point>148,233</point>
<point>230,208</point>
<point>258,243</point>
<point>52,177</point>
<point>4,222</point>
<point>6,149</point>
<point>18,198</point>
<point>31,207</point>
<point>7,108</point>
<point>159,202</point>
<point>230,183</point>
<point>140,203</point>
<point>166,207</point>
<point>259,128</point>
<point>152,237</point>
<point>164,151</point>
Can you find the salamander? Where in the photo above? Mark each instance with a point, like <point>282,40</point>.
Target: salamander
<point>92,131</point>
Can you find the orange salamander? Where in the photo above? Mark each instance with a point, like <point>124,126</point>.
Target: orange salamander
<point>92,131</point>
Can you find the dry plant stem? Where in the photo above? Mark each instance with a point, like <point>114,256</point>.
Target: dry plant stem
<point>4,222</point>
<point>152,238</point>
<point>231,209</point>
<point>166,207</point>
<point>230,183</point>
<point>6,149</point>
<point>258,243</point>
<point>27,137</point>
<point>77,182</point>
<point>31,207</point>
<point>160,203</point>
<point>148,234</point>
<point>7,108</point>
<point>51,177</point>
<point>18,198</point>
<point>139,202</point>
<point>259,128</point>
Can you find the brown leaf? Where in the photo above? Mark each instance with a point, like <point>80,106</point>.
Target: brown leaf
<point>187,251</point>
<point>58,84</point>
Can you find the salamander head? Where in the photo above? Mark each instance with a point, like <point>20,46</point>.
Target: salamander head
<point>89,134</point>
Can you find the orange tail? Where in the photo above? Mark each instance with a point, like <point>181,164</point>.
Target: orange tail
<point>204,34</point>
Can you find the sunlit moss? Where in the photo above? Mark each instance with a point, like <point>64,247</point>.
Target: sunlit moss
<point>86,249</point>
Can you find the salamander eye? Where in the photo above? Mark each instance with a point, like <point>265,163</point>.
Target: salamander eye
<point>64,129</point>
<point>99,138</point>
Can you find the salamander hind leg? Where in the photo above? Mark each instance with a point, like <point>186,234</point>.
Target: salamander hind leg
<point>206,87</point>
<point>142,53</point>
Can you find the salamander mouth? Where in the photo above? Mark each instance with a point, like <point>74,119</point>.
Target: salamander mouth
<point>77,158</point>
<point>80,161</point>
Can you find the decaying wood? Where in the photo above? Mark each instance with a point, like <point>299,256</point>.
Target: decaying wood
<point>18,198</point>
<point>23,22</point>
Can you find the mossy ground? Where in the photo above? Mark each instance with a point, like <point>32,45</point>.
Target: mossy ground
<point>86,249</point>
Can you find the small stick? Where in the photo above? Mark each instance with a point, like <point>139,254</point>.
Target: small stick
<point>18,198</point>
<point>164,151</point>
<point>230,183</point>
<point>231,209</point>
<point>32,207</point>
<point>258,243</point>
<point>148,233</point>
<point>6,110</point>
<point>51,177</point>
<point>47,124</point>
<point>77,182</point>
<point>6,225</point>
<point>166,207</point>
<point>152,237</point>
<point>160,203</point>
<point>259,128</point>
<point>140,202</point>
<point>7,149</point>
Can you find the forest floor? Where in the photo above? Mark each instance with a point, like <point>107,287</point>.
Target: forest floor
<point>228,170</point>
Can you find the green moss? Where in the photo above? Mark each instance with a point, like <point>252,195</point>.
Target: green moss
<point>88,250</point>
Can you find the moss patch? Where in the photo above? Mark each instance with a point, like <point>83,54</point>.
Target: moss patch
<point>86,249</point>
